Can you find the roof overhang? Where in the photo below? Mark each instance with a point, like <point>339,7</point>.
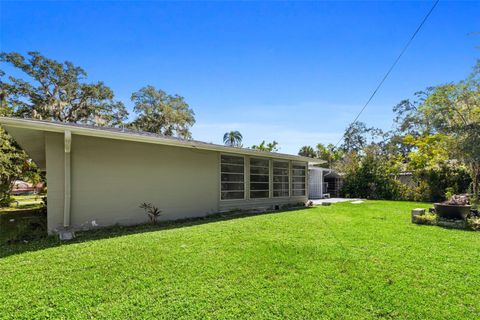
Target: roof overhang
<point>30,135</point>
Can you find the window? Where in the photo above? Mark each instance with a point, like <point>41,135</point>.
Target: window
<point>232,177</point>
<point>299,174</point>
<point>280,179</point>
<point>259,178</point>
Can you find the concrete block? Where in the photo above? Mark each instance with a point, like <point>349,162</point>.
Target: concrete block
<point>66,235</point>
<point>417,212</point>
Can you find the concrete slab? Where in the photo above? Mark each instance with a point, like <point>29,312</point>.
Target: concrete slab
<point>319,202</point>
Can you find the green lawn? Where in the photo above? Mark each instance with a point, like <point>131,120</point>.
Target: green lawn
<point>23,202</point>
<point>363,261</point>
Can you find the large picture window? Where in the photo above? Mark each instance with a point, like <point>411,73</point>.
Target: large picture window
<point>259,178</point>
<point>299,176</point>
<point>232,177</point>
<point>280,178</point>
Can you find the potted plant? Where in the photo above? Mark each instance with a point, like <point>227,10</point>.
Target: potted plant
<point>457,207</point>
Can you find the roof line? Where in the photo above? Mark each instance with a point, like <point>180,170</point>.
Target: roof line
<point>50,126</point>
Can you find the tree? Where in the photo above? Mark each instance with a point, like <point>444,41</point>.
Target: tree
<point>270,147</point>
<point>358,135</point>
<point>56,91</point>
<point>328,153</point>
<point>407,123</point>
<point>369,176</point>
<point>14,163</point>
<point>233,139</point>
<point>454,110</point>
<point>161,113</point>
<point>307,151</point>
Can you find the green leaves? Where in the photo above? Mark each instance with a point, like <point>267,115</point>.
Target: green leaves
<point>57,91</point>
<point>264,146</point>
<point>161,113</point>
<point>307,151</point>
<point>14,164</point>
<point>454,110</point>
<point>233,139</point>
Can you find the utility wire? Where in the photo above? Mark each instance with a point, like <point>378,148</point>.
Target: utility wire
<point>392,66</point>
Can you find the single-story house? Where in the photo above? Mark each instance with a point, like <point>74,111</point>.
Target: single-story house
<point>99,176</point>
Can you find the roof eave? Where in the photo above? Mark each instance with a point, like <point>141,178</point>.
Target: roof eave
<point>84,131</point>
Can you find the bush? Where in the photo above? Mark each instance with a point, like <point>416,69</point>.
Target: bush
<point>371,179</point>
<point>449,192</point>
<point>6,200</point>
<point>428,219</point>
<point>435,185</point>
<point>473,223</point>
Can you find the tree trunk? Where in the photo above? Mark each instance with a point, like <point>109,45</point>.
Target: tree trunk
<point>475,174</point>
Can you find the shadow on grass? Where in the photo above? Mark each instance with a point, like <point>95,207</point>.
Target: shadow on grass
<point>22,224</point>
<point>22,246</point>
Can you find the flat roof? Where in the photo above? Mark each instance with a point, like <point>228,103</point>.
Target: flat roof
<point>137,136</point>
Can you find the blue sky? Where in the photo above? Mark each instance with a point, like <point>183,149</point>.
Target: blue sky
<point>295,72</point>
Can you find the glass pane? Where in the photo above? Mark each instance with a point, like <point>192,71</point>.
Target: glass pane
<point>232,159</point>
<point>298,185</point>
<point>259,186</point>
<point>282,172</point>
<point>232,177</point>
<point>232,195</point>
<point>259,178</point>
<point>259,170</point>
<point>280,164</point>
<point>259,194</point>
<point>280,193</point>
<point>278,186</point>
<point>280,179</point>
<point>298,179</point>
<point>298,192</point>
<point>298,172</point>
<point>232,186</point>
<point>232,168</point>
<point>259,162</point>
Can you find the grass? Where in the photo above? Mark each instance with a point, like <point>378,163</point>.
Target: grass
<point>22,219</point>
<point>345,261</point>
<point>23,202</point>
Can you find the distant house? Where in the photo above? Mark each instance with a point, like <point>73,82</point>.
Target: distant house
<point>406,178</point>
<point>22,187</point>
<point>100,176</point>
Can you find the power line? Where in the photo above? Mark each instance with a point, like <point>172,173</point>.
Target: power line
<point>392,66</point>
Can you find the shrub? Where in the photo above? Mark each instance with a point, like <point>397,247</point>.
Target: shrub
<point>428,219</point>
<point>440,183</point>
<point>473,223</point>
<point>6,200</point>
<point>152,211</point>
<point>371,179</point>
<point>449,192</point>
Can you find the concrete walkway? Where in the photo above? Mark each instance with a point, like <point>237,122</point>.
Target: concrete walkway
<point>317,202</point>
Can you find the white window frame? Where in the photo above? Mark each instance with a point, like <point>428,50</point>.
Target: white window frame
<point>220,176</point>
<point>288,179</point>
<point>292,189</point>
<point>250,178</point>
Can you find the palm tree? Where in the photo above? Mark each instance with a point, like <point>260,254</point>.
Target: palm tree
<point>233,139</point>
<point>307,151</point>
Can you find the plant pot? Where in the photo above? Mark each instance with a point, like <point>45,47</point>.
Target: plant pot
<point>448,211</point>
